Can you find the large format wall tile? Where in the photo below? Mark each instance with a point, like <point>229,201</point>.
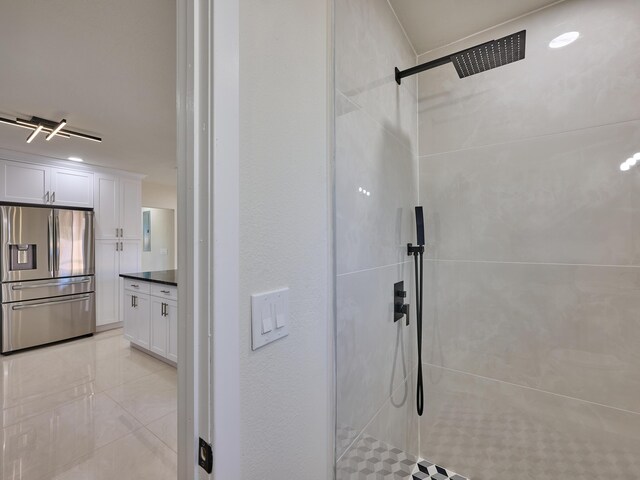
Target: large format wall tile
<point>369,44</point>
<point>397,421</point>
<point>572,330</point>
<point>372,230</point>
<point>491,430</point>
<point>558,199</point>
<point>374,355</point>
<point>593,81</point>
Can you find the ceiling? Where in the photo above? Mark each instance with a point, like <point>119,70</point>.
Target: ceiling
<point>107,67</point>
<point>434,23</point>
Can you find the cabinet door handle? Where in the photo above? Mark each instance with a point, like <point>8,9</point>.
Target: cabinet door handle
<point>122,232</point>
<point>53,197</point>
<point>46,197</point>
<point>116,231</point>
<point>132,301</point>
<point>116,246</point>
<point>135,301</point>
<point>121,247</point>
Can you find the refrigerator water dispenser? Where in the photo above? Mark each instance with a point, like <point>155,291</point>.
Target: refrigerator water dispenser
<point>23,256</point>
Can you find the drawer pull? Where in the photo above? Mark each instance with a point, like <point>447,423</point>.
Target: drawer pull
<point>54,302</point>
<point>50,284</point>
<point>135,285</point>
<point>165,291</point>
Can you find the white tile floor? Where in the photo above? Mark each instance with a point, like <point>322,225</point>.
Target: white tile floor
<point>88,409</point>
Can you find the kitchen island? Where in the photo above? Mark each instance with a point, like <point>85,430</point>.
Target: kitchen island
<point>150,313</point>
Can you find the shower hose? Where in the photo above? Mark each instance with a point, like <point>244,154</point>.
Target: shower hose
<point>419,384</point>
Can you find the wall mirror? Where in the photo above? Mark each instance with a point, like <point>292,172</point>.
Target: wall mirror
<point>158,239</point>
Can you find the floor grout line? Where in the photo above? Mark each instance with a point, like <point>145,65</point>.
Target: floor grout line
<point>86,456</point>
<point>581,400</point>
<point>175,412</point>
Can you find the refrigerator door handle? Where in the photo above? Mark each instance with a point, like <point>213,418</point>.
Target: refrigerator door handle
<point>50,240</point>
<point>56,244</point>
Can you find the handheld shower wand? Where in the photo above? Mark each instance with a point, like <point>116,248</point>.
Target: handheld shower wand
<point>417,251</point>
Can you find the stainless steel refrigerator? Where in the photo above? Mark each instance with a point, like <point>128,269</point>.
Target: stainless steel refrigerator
<point>47,285</point>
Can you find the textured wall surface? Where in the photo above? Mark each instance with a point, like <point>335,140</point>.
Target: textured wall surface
<point>376,190</point>
<point>533,287</point>
<point>284,235</point>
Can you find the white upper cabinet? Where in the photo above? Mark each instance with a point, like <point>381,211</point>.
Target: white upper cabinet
<point>71,188</point>
<point>131,208</point>
<point>44,185</point>
<point>107,206</point>
<point>118,206</point>
<point>24,183</point>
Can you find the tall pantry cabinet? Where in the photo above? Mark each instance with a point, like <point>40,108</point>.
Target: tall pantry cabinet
<point>118,213</point>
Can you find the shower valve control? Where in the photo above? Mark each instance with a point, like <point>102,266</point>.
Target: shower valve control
<point>400,309</point>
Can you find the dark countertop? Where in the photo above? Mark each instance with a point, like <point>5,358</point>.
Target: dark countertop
<point>165,277</point>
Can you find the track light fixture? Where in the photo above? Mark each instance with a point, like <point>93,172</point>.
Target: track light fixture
<point>55,131</point>
<point>51,128</point>
<point>34,134</point>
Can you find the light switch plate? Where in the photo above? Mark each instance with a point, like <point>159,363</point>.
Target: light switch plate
<point>270,310</point>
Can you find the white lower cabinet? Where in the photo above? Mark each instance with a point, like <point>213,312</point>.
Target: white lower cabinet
<point>136,318</point>
<point>172,319</point>
<point>112,258</point>
<point>150,320</point>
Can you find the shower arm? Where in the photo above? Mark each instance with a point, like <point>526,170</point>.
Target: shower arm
<point>438,62</point>
<point>421,68</point>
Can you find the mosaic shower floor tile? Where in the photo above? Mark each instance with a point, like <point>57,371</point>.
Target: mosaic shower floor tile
<point>370,459</point>
<point>427,470</point>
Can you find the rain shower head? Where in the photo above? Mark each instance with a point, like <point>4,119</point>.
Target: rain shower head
<point>480,58</point>
<point>495,53</point>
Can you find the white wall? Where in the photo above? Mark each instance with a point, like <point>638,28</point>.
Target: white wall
<point>533,288</point>
<point>159,196</point>
<point>163,233</point>
<point>376,150</point>
<point>155,195</point>
<point>284,235</point>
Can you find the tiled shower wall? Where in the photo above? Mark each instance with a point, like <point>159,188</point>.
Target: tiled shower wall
<point>532,335</point>
<point>376,190</point>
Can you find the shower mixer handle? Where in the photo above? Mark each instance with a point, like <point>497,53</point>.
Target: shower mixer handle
<point>400,309</point>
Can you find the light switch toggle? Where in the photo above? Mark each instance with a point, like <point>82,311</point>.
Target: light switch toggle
<point>267,323</point>
<point>269,317</point>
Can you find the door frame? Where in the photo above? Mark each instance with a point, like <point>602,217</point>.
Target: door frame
<point>207,102</point>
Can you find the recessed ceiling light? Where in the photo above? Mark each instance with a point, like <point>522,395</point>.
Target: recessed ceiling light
<point>76,159</point>
<point>624,166</point>
<point>631,161</point>
<point>564,39</point>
